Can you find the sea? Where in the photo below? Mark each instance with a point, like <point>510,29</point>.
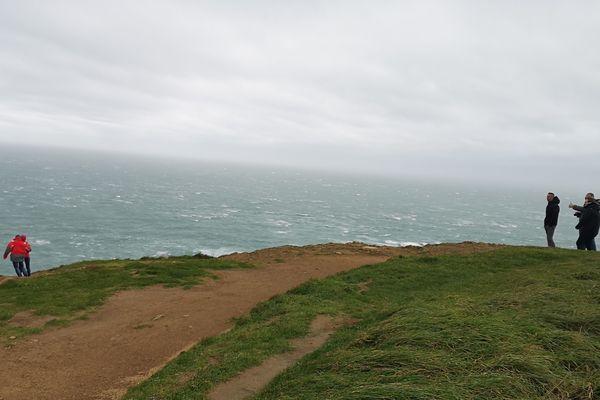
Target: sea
<point>77,206</point>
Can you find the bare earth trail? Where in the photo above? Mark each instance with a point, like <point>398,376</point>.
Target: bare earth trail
<point>137,331</point>
<point>253,380</point>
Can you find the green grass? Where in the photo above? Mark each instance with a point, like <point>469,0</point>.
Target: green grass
<point>516,323</point>
<point>71,291</point>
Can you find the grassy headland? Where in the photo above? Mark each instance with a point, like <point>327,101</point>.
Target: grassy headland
<point>515,323</point>
<point>72,291</point>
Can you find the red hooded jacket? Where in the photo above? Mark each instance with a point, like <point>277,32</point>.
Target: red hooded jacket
<point>17,247</point>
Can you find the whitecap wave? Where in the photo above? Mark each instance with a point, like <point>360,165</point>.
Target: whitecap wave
<point>464,222</point>
<point>409,217</point>
<point>281,222</point>
<point>217,252</point>
<point>504,226</point>
<point>395,243</point>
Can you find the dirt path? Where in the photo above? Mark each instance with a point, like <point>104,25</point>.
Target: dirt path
<point>251,381</point>
<point>136,332</point>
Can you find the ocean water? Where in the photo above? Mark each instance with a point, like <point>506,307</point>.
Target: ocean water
<point>77,207</point>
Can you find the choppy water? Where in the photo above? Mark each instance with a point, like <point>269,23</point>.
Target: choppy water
<point>80,206</point>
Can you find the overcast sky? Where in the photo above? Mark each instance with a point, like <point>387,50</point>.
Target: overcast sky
<point>476,89</point>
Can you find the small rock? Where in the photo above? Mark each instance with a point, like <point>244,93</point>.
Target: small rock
<point>12,337</point>
<point>159,316</point>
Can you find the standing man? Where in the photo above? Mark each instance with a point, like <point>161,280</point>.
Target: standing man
<point>589,222</point>
<point>27,257</point>
<point>551,220</point>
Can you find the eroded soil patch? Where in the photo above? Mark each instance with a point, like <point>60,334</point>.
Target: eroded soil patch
<point>26,319</point>
<point>251,381</point>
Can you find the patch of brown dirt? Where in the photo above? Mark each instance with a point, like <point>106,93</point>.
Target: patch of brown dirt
<point>251,381</point>
<point>26,319</point>
<point>364,286</point>
<point>100,357</point>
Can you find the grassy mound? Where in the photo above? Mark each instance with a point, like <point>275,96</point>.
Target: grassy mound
<point>71,291</point>
<point>516,323</point>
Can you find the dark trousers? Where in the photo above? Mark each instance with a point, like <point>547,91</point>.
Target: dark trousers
<point>586,243</point>
<point>28,265</point>
<point>550,235</point>
<point>19,268</point>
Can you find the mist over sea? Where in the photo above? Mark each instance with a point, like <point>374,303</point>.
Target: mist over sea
<point>80,206</point>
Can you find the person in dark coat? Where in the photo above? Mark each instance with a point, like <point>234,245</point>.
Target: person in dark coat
<point>551,220</point>
<point>589,222</point>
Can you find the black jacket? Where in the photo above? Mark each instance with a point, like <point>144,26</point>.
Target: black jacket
<point>589,221</point>
<point>552,210</point>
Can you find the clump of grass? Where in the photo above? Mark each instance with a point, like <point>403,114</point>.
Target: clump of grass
<point>516,323</point>
<point>70,291</point>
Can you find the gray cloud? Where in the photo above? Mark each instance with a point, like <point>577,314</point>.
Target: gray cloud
<point>462,88</point>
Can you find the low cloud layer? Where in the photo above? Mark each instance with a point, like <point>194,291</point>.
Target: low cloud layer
<point>507,90</point>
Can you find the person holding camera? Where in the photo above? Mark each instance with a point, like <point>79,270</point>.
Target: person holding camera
<point>589,222</point>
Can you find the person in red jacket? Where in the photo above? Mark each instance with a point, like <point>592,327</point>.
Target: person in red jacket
<point>27,257</point>
<point>17,250</point>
